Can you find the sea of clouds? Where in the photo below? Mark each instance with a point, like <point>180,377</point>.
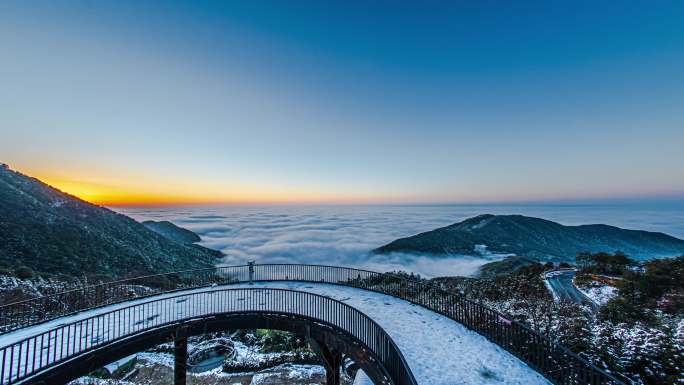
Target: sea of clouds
<point>345,235</point>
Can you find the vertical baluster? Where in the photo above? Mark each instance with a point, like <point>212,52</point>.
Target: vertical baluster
<point>11,363</point>
<point>19,360</point>
<point>2,370</point>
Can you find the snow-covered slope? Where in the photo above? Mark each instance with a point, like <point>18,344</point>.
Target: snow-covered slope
<point>599,293</point>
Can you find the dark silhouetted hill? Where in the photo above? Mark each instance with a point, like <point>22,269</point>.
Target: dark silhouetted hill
<point>535,238</point>
<point>53,232</point>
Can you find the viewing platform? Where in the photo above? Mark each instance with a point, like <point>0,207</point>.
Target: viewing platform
<point>399,331</point>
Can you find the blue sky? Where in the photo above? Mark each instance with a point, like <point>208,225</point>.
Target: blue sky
<point>345,101</point>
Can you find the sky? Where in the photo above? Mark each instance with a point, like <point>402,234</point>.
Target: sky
<point>146,102</point>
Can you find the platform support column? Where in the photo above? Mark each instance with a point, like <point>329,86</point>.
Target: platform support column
<point>333,368</point>
<point>332,361</point>
<point>180,349</point>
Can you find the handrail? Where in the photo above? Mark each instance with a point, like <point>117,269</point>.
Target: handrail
<point>554,361</point>
<point>48,349</point>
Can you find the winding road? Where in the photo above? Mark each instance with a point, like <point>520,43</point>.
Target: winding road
<point>560,282</point>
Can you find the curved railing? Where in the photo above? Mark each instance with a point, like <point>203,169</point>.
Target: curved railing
<point>50,348</point>
<point>555,362</point>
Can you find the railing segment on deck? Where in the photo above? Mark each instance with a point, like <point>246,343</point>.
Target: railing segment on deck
<point>54,346</point>
<point>554,361</point>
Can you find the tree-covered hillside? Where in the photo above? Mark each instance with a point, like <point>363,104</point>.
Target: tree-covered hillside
<point>535,238</point>
<point>50,232</point>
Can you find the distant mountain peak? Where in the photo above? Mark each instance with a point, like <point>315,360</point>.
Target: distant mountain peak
<point>536,238</point>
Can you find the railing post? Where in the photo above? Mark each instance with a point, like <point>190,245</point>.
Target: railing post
<point>251,272</point>
<point>180,351</point>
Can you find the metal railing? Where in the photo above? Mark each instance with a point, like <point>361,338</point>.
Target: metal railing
<point>555,362</point>
<point>32,355</point>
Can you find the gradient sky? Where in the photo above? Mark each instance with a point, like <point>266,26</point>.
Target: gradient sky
<point>372,101</point>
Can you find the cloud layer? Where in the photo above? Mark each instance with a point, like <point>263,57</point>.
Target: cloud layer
<point>344,235</point>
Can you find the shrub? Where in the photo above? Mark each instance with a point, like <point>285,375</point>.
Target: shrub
<point>279,341</point>
<point>604,263</point>
<point>621,310</point>
<point>23,272</point>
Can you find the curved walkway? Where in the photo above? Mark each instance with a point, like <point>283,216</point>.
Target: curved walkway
<point>439,351</point>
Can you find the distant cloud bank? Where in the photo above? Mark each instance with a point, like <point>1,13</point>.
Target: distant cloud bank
<point>344,235</point>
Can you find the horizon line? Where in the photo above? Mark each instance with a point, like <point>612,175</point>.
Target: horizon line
<point>670,199</point>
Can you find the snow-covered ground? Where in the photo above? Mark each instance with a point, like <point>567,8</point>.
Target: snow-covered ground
<point>158,368</point>
<point>438,350</point>
<point>599,293</point>
<point>113,366</point>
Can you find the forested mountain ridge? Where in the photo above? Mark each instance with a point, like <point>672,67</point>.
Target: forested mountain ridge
<point>535,238</point>
<point>52,232</point>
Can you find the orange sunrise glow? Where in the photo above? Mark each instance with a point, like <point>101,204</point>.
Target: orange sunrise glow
<point>150,191</point>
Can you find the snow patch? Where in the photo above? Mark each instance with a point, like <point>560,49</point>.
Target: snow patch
<point>57,203</point>
<point>362,379</point>
<point>294,372</point>
<point>599,293</point>
<point>113,366</point>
